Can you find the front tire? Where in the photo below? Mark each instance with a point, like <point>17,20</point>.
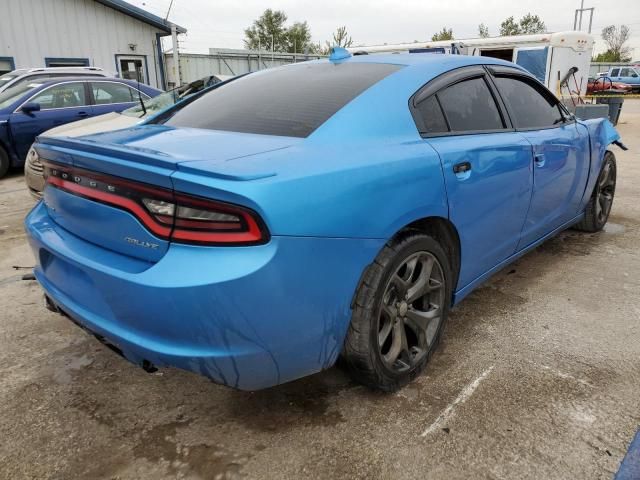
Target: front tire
<point>400,309</point>
<point>599,207</point>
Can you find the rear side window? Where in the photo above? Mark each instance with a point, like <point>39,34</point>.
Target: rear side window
<point>614,72</point>
<point>528,105</point>
<point>470,106</point>
<point>290,101</point>
<point>430,113</point>
<point>105,93</point>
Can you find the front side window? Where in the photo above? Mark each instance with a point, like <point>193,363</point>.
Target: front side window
<point>288,101</point>
<point>65,95</point>
<point>105,93</point>
<point>530,107</point>
<point>625,72</point>
<point>469,106</point>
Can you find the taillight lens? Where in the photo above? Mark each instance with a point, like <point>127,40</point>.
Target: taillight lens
<point>169,215</point>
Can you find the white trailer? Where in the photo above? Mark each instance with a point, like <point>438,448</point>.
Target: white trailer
<point>548,56</point>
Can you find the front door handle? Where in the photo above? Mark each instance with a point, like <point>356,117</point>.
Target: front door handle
<point>539,159</point>
<point>463,167</point>
<point>83,114</point>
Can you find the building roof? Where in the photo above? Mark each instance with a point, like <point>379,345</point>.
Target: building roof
<point>142,15</point>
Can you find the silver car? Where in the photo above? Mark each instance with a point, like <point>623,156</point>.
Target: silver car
<point>17,77</point>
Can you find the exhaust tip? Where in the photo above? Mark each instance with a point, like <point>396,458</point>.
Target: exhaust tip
<point>49,305</point>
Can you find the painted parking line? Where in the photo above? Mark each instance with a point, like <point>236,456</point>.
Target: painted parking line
<point>630,466</point>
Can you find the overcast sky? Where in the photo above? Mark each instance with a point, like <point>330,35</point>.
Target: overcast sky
<point>221,23</point>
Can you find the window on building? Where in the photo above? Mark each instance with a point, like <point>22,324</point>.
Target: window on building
<point>6,65</point>
<point>66,62</point>
<point>65,95</point>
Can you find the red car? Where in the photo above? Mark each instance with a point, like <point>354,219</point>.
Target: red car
<point>600,84</point>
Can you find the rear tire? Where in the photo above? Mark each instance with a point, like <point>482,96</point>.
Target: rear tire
<point>4,162</point>
<point>599,207</point>
<point>399,312</point>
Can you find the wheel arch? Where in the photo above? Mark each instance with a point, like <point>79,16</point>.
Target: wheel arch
<point>445,233</point>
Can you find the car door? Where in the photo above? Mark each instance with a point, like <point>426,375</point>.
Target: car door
<point>629,76</point>
<point>560,152</point>
<point>59,104</point>
<point>486,166</point>
<point>113,96</point>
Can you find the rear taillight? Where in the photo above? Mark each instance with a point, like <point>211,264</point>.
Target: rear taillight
<point>169,215</point>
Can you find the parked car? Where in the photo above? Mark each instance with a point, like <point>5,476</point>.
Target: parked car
<point>112,121</point>
<point>337,207</point>
<point>24,75</point>
<point>628,75</point>
<point>605,84</point>
<point>32,108</point>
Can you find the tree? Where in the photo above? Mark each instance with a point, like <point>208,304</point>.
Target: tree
<point>444,34</point>
<point>341,38</point>
<point>527,25</point>
<point>509,27</point>
<point>483,31</point>
<point>615,38</point>
<point>530,24</point>
<point>299,38</point>
<point>268,32</point>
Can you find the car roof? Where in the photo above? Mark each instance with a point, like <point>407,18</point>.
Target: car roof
<point>84,78</point>
<point>410,59</point>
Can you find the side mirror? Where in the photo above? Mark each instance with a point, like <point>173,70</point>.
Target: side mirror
<point>30,107</point>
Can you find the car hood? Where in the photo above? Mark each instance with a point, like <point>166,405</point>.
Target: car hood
<point>89,126</point>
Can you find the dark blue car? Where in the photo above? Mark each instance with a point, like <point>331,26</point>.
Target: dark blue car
<point>35,107</point>
<point>256,232</point>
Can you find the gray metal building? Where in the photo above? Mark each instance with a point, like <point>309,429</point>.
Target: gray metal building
<point>111,34</point>
<point>228,61</point>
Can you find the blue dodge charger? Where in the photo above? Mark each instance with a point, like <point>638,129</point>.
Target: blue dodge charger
<point>340,207</point>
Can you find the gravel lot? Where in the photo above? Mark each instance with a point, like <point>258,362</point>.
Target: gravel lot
<point>538,376</point>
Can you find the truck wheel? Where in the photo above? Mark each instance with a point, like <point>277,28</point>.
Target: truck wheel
<point>399,312</point>
<point>4,162</point>
<point>599,206</point>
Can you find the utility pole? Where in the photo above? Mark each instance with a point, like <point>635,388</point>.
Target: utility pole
<point>176,59</point>
<point>577,19</point>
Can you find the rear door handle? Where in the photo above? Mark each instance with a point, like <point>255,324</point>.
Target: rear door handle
<point>539,159</point>
<point>461,167</point>
<point>83,114</point>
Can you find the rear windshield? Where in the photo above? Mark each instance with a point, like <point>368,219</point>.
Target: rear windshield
<point>291,101</point>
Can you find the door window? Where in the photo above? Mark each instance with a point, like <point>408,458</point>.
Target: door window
<point>106,93</point>
<point>614,72</point>
<point>529,107</point>
<point>65,95</point>
<point>625,72</point>
<point>470,106</point>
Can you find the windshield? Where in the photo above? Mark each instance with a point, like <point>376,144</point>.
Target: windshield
<point>13,94</point>
<point>153,105</point>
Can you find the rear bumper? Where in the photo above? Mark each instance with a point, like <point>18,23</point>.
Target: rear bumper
<point>247,317</point>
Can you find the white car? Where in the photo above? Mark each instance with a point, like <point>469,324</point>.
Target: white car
<point>17,77</point>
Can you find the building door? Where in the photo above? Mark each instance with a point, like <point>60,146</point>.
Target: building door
<point>132,68</point>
